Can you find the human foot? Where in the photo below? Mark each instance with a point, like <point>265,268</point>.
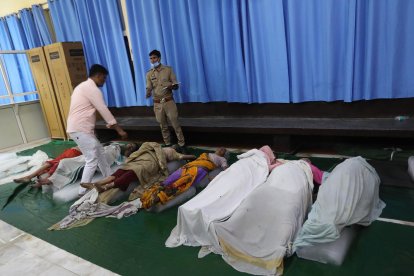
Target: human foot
<point>88,186</point>
<point>103,188</point>
<point>22,180</point>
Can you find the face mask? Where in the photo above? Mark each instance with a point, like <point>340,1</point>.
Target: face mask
<point>154,65</point>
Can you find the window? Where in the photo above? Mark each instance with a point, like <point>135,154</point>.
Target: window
<point>16,80</point>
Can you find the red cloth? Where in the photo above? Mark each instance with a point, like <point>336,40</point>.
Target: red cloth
<point>124,178</point>
<point>69,153</point>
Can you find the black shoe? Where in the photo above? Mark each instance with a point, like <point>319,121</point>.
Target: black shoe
<point>166,145</point>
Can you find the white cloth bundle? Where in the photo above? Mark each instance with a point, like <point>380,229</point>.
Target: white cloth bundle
<point>13,166</point>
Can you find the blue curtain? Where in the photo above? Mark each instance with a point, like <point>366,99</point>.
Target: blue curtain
<point>320,38</point>
<point>350,50</point>
<point>3,92</point>
<point>277,50</point>
<point>219,50</point>
<point>4,45</point>
<point>102,37</point>
<point>30,31</point>
<point>384,40</point>
<point>41,26</point>
<point>17,66</point>
<point>65,21</point>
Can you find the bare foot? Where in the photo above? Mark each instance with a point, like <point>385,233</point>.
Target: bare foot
<point>88,186</point>
<point>100,188</point>
<point>103,188</point>
<point>107,180</point>
<point>22,180</point>
<point>134,195</point>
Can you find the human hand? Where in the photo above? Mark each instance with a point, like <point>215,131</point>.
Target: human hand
<point>173,86</point>
<point>123,134</point>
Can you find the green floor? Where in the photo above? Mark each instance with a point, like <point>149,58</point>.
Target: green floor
<point>135,245</point>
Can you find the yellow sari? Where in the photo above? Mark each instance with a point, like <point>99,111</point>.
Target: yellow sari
<point>188,175</point>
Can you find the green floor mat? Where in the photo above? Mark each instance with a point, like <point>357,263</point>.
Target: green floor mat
<point>380,249</point>
<point>375,152</point>
<point>52,149</point>
<point>400,203</point>
<point>135,245</point>
<point>131,246</point>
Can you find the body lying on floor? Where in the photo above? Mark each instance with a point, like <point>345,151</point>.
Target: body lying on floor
<point>183,178</point>
<point>62,170</point>
<point>254,219</point>
<point>147,165</point>
<point>253,213</point>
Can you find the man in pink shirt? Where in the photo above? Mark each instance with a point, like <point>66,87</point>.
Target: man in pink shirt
<point>86,99</point>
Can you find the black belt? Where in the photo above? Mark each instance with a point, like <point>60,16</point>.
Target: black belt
<point>163,100</point>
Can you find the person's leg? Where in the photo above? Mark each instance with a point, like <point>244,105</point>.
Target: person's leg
<point>106,180</point>
<point>161,118</point>
<point>101,182</point>
<point>90,148</point>
<point>172,114</point>
<point>124,180</point>
<point>68,153</point>
<point>29,177</point>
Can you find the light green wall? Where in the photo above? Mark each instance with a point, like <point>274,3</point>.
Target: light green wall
<point>33,122</point>
<point>31,118</point>
<point>9,130</point>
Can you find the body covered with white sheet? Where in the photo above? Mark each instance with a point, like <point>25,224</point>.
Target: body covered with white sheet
<point>218,200</point>
<point>349,196</point>
<point>260,232</point>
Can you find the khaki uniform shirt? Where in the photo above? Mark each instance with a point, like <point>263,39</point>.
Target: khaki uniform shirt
<point>158,79</point>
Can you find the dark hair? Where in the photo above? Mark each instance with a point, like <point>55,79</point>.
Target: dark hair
<point>155,53</point>
<point>135,146</point>
<point>97,69</point>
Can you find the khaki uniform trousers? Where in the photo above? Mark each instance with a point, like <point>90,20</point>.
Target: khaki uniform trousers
<point>168,110</point>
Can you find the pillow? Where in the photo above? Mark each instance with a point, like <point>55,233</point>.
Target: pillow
<point>330,252</point>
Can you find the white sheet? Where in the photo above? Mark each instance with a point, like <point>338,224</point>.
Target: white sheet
<point>69,169</point>
<point>13,166</point>
<point>88,207</point>
<point>218,200</point>
<point>349,196</point>
<point>257,236</point>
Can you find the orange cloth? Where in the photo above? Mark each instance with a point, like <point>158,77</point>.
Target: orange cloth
<point>188,175</point>
<point>68,153</point>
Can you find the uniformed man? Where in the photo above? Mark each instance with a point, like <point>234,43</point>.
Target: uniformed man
<point>161,81</point>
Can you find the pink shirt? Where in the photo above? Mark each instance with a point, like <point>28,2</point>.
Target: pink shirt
<point>86,99</point>
<point>317,174</point>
